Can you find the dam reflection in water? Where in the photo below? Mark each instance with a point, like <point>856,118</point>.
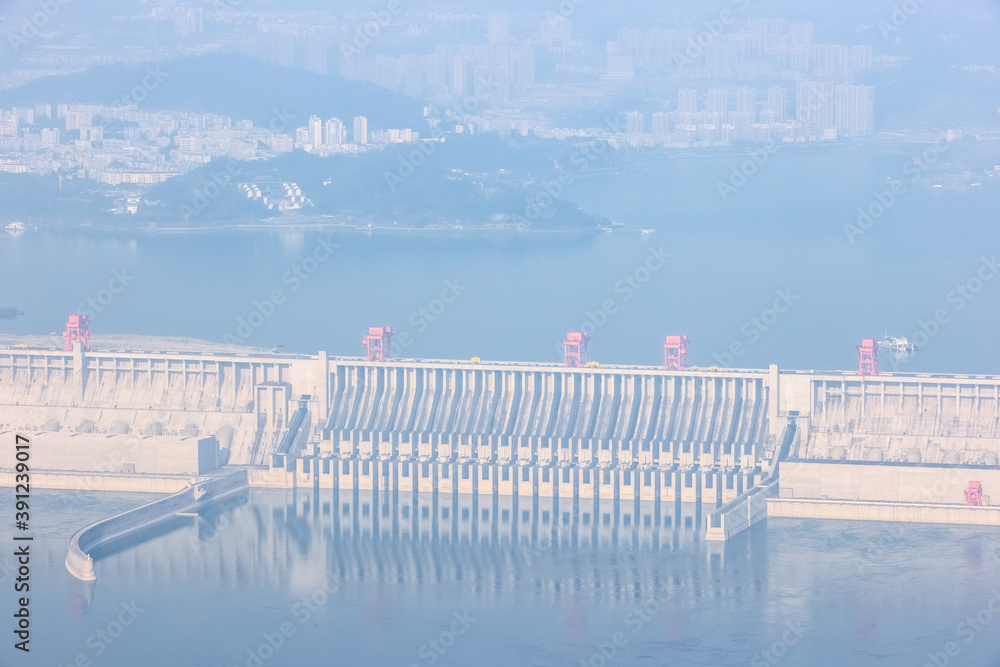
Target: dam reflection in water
<point>548,580</point>
<point>296,539</point>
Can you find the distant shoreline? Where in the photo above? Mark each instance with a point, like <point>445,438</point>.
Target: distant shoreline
<point>336,227</point>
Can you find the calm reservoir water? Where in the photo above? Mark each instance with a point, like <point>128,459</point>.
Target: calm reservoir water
<point>353,579</point>
<point>380,581</point>
<point>781,235</point>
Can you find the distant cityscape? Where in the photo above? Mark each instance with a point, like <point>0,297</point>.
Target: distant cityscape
<point>725,82</point>
<point>158,145</point>
<point>73,139</point>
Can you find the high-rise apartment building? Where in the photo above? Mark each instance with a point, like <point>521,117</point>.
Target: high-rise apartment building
<point>746,100</point>
<point>777,103</point>
<point>620,67</point>
<point>717,101</point>
<point>315,137</point>
<point>316,58</point>
<point>50,137</point>
<point>635,122</point>
<point>523,65</point>
<point>861,57</point>
<point>832,58</point>
<point>461,76</point>
<point>556,30</point>
<point>801,33</point>
<point>855,110</point>
<point>661,123</point>
<point>687,100</point>
<point>360,130</point>
<point>498,28</point>
<point>814,105</point>
<point>77,119</point>
<point>334,134</point>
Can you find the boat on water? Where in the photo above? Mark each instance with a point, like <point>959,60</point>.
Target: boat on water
<point>10,313</point>
<point>897,344</point>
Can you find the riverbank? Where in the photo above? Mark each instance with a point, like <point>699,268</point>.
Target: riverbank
<point>128,342</point>
<point>325,225</point>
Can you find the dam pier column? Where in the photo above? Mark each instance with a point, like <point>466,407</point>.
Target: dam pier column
<point>323,383</point>
<point>774,399</point>
<point>79,370</point>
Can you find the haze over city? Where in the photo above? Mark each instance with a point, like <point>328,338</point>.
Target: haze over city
<point>556,332</point>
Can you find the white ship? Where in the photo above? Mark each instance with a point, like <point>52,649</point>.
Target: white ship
<point>899,345</point>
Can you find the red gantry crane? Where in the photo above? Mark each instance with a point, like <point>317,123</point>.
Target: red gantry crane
<point>868,357</point>
<point>675,353</point>
<point>378,344</point>
<point>575,349</point>
<point>974,494</point>
<point>77,330</point>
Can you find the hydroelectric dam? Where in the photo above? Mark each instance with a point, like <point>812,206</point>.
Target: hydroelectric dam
<point>742,444</point>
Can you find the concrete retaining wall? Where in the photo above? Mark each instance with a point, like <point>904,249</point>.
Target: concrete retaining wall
<point>875,511</point>
<point>919,418</point>
<point>890,482</point>
<point>272,478</point>
<point>82,481</point>
<point>740,514</point>
<point>128,453</point>
<point>751,506</point>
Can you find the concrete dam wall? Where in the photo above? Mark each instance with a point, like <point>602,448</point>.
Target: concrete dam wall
<point>914,420</point>
<point>697,434</point>
<point>518,429</point>
<point>628,416</point>
<point>894,448</point>
<point>243,400</point>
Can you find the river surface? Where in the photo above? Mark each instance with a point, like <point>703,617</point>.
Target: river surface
<point>366,585</point>
<point>353,579</point>
<point>777,241</point>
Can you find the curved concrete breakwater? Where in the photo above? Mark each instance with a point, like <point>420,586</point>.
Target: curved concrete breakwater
<point>78,560</point>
